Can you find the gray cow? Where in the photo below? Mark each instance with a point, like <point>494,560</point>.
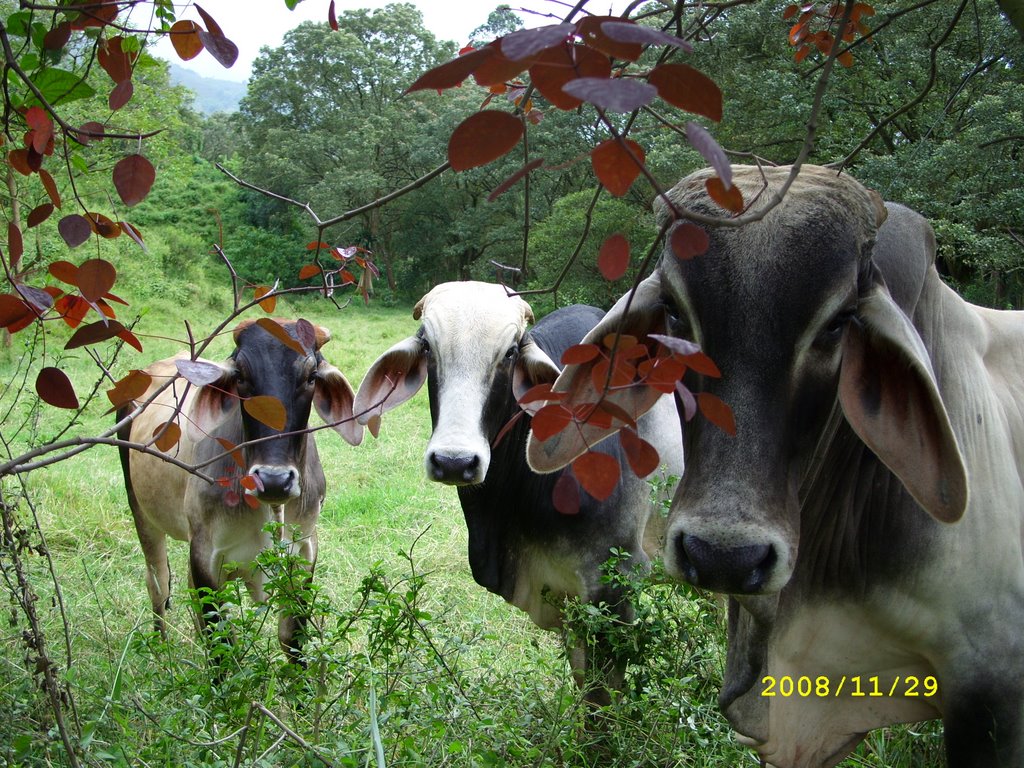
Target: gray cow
<point>867,517</point>
<point>477,356</point>
<point>168,501</point>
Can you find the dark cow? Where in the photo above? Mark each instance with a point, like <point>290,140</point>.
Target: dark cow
<point>874,409</point>
<point>166,500</point>
<point>476,355</point>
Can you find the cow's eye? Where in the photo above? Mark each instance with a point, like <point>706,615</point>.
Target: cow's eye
<point>311,379</point>
<point>511,353</point>
<point>425,347</point>
<point>833,332</point>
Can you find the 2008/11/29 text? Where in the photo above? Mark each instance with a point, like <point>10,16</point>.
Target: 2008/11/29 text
<point>823,686</point>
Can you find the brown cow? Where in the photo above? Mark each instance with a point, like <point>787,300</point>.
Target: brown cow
<point>166,500</point>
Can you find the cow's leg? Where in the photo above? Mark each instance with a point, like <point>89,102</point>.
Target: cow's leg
<point>983,723</point>
<point>205,579</point>
<point>158,571</point>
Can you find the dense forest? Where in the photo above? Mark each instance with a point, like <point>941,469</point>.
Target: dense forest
<point>326,121</point>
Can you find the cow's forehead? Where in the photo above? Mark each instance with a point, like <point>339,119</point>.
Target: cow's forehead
<point>475,312</point>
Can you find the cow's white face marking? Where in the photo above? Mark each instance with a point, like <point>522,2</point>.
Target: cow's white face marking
<point>470,329</point>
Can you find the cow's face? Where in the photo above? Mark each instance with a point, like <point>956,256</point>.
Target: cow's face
<point>264,367</point>
<point>794,313</point>
<point>474,351</point>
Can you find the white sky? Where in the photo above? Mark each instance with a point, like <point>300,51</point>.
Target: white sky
<point>251,24</point>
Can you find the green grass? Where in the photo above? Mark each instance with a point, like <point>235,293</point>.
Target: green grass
<point>411,662</point>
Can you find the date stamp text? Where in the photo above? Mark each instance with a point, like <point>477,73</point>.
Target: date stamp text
<point>823,686</point>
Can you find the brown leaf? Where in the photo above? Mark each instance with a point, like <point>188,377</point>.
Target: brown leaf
<point>121,95</point>
<point>167,436</point>
<point>95,278</point>
<point>130,339</point>
<point>50,186</point>
<point>58,37</point>
<point>717,412</point>
<point>55,388</point>
<point>128,388</point>
<point>266,409</point>
<point>309,271</point>
<point>498,68</point>
<point>451,73</point>
<point>39,214</point>
<point>234,451</point>
<point>94,333</point>
<point>687,88</point>
<point>73,309</point>
<point>115,61</point>
<point>616,168</point>
<point>642,456</point>
<point>133,232</point>
<point>133,177</point>
<point>731,199</point>
<point>483,137</point>
<point>185,39</point>
<point>14,311</point>
<point>332,17</point>
<point>589,29</point>
<point>508,183</point>
<point>18,160</point>
<point>557,66</point>
<point>598,474</point>
<point>277,330</point>
<point>102,225</point>
<point>266,304</point>
<point>613,258</point>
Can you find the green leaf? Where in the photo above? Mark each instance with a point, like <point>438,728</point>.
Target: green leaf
<point>59,86</point>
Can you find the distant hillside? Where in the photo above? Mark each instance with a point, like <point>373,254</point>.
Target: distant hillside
<point>212,95</point>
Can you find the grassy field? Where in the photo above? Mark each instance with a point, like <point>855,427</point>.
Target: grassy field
<point>411,663</point>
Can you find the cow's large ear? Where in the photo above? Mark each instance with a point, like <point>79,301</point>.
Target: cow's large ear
<point>890,397</point>
<point>532,368</point>
<point>213,402</point>
<point>333,399</point>
<point>393,378</point>
<point>637,316</point>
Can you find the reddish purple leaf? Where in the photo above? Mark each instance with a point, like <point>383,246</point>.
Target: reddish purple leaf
<point>614,94</point>
<point>332,17</point>
<point>717,412</point>
<point>566,494</point>
<point>527,42</point>
<point>133,177</point>
<point>687,88</point>
<point>39,214</point>
<point>37,298</point>
<point>557,66</point>
<point>199,372</point>
<point>223,50</point>
<point>630,32</point>
<point>687,399</point>
<point>710,150</point>
<point>589,29</point>
<point>55,388</point>
<point>679,346</point>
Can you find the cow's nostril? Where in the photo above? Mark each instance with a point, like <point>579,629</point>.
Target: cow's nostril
<point>454,469</point>
<point>735,570</point>
<point>276,482</point>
